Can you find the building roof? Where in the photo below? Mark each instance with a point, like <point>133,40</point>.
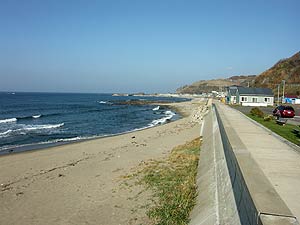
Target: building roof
<point>232,91</point>
<point>255,91</point>
<point>291,96</point>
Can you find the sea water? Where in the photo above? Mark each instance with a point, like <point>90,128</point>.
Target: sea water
<point>32,120</point>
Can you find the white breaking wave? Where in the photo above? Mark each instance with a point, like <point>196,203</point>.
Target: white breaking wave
<point>163,120</point>
<point>8,120</point>
<point>104,102</point>
<point>68,139</point>
<point>72,139</point>
<point>36,116</point>
<point>29,128</point>
<point>5,133</point>
<point>3,148</point>
<point>46,126</point>
<point>169,113</point>
<point>156,108</point>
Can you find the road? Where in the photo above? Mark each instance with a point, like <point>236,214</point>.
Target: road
<point>268,111</point>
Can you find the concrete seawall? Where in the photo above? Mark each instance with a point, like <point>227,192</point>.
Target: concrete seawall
<point>215,201</point>
<point>232,187</point>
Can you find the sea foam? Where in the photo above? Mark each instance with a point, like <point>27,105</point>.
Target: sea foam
<point>5,133</point>
<point>156,108</point>
<point>105,102</point>
<point>46,126</point>
<point>28,129</point>
<point>169,115</point>
<point>11,120</point>
<point>73,139</point>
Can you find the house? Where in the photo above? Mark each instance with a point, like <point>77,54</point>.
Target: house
<point>231,95</point>
<point>292,99</point>
<point>250,96</point>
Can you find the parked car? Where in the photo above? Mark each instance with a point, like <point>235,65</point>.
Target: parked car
<point>284,111</point>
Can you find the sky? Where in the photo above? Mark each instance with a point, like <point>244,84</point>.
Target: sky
<point>140,45</point>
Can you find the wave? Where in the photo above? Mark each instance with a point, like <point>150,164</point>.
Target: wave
<point>11,120</point>
<point>29,128</point>
<point>5,133</point>
<point>46,126</point>
<point>72,139</point>
<point>169,113</point>
<point>168,117</point>
<point>37,116</point>
<point>68,139</point>
<point>156,108</point>
<point>29,117</point>
<point>104,102</point>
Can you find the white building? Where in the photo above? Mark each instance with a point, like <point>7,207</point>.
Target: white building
<point>250,96</point>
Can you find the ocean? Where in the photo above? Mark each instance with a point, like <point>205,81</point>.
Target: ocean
<point>35,120</point>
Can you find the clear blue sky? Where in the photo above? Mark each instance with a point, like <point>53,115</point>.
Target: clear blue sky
<point>140,45</point>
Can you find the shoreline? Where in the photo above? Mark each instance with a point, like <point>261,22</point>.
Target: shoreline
<point>42,146</point>
<point>81,183</point>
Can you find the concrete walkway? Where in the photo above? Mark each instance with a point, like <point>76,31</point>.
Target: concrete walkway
<point>278,161</point>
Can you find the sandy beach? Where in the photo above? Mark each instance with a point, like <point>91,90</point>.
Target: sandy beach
<point>81,183</point>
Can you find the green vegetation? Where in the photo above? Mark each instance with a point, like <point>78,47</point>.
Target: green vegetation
<point>268,118</point>
<point>284,131</point>
<point>256,112</point>
<point>173,182</point>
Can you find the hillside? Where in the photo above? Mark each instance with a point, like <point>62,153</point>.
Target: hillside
<point>286,69</point>
<point>205,86</point>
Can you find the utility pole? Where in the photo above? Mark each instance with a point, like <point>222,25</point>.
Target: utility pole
<point>283,81</point>
<point>278,87</point>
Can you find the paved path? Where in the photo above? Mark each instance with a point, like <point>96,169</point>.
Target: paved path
<point>279,161</point>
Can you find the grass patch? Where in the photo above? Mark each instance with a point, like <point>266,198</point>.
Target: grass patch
<point>173,182</point>
<point>283,131</point>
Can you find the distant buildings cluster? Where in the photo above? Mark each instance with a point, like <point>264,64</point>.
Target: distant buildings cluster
<point>245,96</point>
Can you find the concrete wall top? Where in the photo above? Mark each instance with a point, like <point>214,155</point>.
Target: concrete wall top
<point>270,207</point>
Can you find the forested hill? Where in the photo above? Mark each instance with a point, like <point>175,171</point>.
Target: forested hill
<point>286,69</point>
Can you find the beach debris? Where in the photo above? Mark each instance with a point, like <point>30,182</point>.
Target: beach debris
<point>117,170</point>
<point>19,193</point>
<point>61,175</point>
<point>133,137</point>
